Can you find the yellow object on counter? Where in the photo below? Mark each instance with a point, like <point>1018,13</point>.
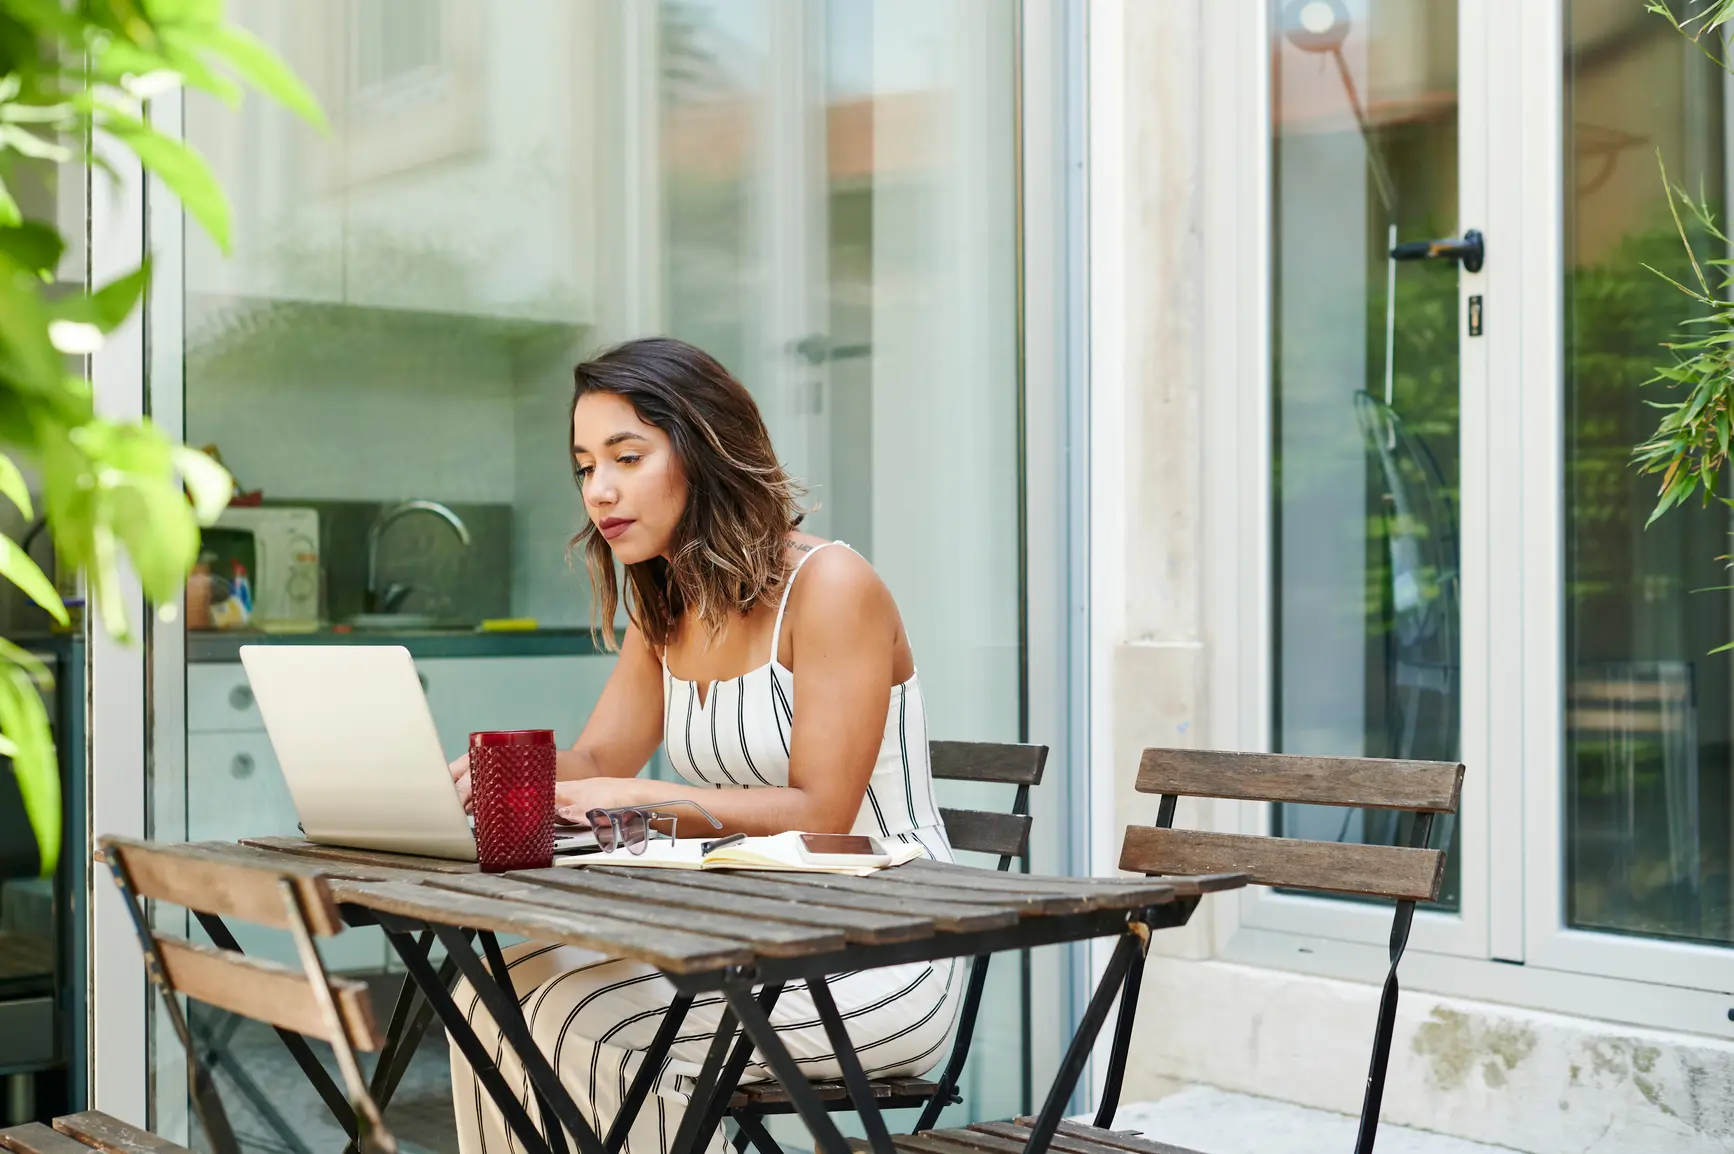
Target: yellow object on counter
<point>507,625</point>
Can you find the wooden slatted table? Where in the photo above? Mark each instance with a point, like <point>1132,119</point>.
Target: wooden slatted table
<point>743,934</point>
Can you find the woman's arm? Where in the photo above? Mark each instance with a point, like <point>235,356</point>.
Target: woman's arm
<point>623,730</point>
<point>843,626</point>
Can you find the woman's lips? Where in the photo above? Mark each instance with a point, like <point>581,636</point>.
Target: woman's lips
<point>613,527</point>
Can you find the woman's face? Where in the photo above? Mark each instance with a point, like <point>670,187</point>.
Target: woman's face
<point>633,484</point>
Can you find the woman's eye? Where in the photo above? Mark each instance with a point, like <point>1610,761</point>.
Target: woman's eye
<point>582,472</point>
<point>630,459</point>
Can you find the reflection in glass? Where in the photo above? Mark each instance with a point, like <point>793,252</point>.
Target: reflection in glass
<point>1365,395</point>
<point>1648,806</point>
<point>821,194</point>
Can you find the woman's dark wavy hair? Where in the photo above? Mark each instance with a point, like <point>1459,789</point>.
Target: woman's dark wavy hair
<point>728,553</point>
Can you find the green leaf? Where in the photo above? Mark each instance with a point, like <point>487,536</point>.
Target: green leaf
<point>184,58</point>
<point>10,216</point>
<point>27,357</point>
<point>27,143</point>
<point>105,589</point>
<point>27,661</point>
<point>34,246</point>
<point>109,305</point>
<point>17,567</point>
<point>24,722</point>
<point>209,483</point>
<point>13,488</point>
<point>262,68</point>
<point>176,165</point>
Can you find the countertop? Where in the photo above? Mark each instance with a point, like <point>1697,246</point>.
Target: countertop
<point>209,646</point>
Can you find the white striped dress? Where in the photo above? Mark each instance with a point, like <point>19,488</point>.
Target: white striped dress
<point>595,1016</point>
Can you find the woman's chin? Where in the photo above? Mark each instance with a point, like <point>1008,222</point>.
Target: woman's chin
<point>629,552</point>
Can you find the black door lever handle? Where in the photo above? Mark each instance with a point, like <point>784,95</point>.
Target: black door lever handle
<point>1468,248</point>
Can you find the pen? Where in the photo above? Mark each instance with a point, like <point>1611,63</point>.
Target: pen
<point>706,847</point>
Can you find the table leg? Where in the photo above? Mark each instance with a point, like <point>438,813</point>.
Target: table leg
<point>758,1027</point>
<point>718,1103</point>
<point>395,1029</point>
<point>866,1105</point>
<point>503,975</point>
<point>509,1020</point>
<point>690,1138</point>
<point>458,1029</point>
<point>646,1077</point>
<point>390,1076</point>
<point>1047,1123</point>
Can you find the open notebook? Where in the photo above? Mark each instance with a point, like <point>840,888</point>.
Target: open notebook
<point>778,852</point>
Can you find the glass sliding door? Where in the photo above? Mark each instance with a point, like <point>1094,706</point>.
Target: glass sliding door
<point>1648,809</point>
<point>821,194</point>
<point>1365,375</point>
<point>838,190</point>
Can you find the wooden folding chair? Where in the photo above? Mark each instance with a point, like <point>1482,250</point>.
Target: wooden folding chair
<point>1404,874</point>
<point>308,1003</point>
<point>1006,835</point>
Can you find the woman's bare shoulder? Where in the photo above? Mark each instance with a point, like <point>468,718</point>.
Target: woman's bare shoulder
<point>836,579</point>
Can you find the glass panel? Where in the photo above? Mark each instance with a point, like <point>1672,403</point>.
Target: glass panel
<point>839,192</point>
<point>822,195</point>
<point>1364,378</point>
<point>1648,803</point>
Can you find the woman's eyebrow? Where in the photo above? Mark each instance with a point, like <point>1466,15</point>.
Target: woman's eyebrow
<point>614,440</point>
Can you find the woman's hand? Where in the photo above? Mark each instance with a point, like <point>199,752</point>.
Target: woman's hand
<point>574,799</point>
<point>460,770</point>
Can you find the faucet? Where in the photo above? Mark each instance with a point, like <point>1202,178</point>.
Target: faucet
<point>393,595</point>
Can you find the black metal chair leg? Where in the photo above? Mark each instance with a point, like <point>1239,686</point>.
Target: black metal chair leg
<point>860,1092</point>
<point>1110,1102</point>
<point>943,1096</point>
<point>730,1075</point>
<point>828,1139</point>
<point>1047,1123</point>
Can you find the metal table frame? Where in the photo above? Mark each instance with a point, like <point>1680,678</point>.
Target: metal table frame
<point>751,993</point>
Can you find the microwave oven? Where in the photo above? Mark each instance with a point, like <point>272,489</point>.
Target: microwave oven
<point>285,573</point>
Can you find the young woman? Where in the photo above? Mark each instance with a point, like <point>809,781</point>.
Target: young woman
<point>683,489</point>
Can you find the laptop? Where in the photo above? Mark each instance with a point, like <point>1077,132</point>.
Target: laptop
<point>352,731</point>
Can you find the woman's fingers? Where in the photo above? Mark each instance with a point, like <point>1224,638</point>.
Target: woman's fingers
<point>460,771</point>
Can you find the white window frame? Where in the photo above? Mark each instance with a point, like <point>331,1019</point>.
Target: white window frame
<point>1511,78</point>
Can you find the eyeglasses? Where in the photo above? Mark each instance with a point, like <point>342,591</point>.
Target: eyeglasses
<point>629,827</point>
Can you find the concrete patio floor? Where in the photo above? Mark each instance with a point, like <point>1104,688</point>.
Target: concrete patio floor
<point>1213,1121</point>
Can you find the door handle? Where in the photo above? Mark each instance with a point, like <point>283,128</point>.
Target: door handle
<point>1470,248</point>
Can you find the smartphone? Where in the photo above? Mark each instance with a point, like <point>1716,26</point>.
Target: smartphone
<point>816,847</point>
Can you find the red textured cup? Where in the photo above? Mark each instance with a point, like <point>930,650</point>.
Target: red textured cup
<point>512,791</point>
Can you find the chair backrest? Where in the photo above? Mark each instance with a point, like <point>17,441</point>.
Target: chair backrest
<point>216,882</point>
<point>227,979</point>
<point>985,831</point>
<point>1406,873</point>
